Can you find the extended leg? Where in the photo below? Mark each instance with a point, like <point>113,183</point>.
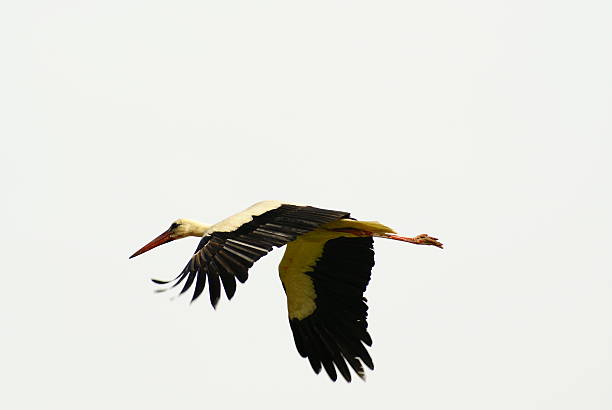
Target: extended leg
<point>422,239</point>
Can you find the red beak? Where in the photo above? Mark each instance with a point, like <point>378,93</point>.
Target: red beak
<point>160,240</point>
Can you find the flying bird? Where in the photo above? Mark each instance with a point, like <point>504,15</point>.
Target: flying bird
<point>325,271</point>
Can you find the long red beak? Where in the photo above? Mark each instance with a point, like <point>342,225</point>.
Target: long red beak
<point>160,240</point>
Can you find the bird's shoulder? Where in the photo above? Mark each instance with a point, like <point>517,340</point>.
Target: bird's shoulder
<point>236,220</point>
<point>269,211</point>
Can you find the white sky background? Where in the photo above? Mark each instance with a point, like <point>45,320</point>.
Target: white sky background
<point>485,123</point>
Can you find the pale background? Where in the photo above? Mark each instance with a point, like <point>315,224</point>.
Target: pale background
<point>485,123</point>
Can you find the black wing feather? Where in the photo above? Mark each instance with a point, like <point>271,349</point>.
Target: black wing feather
<point>199,286</point>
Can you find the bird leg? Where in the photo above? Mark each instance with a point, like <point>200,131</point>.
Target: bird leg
<point>422,239</point>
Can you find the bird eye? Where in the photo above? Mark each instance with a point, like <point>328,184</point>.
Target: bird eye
<point>174,225</point>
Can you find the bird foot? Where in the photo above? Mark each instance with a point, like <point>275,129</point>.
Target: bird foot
<point>424,239</point>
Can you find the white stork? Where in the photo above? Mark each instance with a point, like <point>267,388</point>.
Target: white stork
<point>325,271</point>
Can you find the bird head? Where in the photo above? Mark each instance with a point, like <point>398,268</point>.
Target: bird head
<point>181,228</point>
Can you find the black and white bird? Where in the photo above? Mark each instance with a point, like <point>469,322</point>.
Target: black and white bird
<point>325,271</point>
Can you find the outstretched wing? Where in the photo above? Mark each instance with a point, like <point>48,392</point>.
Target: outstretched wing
<point>324,280</point>
<point>232,246</point>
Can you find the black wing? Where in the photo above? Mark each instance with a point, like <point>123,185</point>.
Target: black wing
<point>223,257</point>
<point>335,333</point>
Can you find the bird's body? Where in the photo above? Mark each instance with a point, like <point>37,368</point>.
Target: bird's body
<point>325,271</point>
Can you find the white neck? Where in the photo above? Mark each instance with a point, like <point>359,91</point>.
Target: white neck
<point>192,228</point>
